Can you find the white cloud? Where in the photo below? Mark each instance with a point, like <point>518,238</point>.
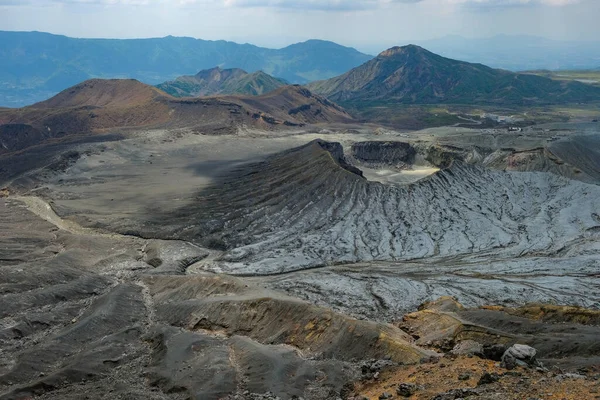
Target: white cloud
<point>508,3</point>
<point>365,4</point>
<point>292,4</point>
<point>100,2</point>
<point>316,4</point>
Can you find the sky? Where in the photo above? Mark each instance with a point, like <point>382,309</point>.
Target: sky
<point>368,25</point>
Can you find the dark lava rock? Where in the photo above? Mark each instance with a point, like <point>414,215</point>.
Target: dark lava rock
<point>406,389</point>
<point>488,378</point>
<point>430,360</point>
<point>464,377</point>
<point>384,153</point>
<point>346,390</point>
<point>494,352</point>
<point>444,156</point>
<point>372,366</point>
<point>385,395</point>
<point>337,152</point>
<point>455,394</point>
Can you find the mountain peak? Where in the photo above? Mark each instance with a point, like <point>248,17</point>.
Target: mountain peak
<point>102,93</point>
<point>412,74</point>
<point>408,49</point>
<point>218,73</point>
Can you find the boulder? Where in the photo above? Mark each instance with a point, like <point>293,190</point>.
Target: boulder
<point>519,355</point>
<point>488,378</point>
<point>406,389</point>
<point>464,377</point>
<point>455,394</point>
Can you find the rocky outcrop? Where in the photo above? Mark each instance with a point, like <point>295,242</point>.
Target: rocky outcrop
<point>519,355</point>
<point>468,347</point>
<point>337,152</point>
<point>521,341</point>
<point>382,153</point>
<point>444,156</point>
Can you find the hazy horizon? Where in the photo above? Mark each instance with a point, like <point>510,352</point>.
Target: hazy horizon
<point>367,25</point>
<point>372,50</point>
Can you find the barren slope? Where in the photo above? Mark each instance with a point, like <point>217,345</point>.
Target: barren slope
<point>100,105</point>
<point>86,313</point>
<point>97,93</point>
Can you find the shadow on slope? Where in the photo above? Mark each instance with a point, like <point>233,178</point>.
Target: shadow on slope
<point>302,209</point>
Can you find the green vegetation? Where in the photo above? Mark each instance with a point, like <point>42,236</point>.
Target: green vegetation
<point>222,81</point>
<point>591,77</point>
<point>420,116</point>
<point>406,116</point>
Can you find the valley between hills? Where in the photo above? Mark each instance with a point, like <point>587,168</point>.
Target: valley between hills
<point>210,239</point>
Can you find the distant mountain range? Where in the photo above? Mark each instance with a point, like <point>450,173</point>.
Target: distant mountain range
<point>35,66</point>
<point>222,81</point>
<point>413,75</point>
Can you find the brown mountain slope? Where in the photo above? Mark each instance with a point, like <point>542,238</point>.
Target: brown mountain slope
<point>103,93</point>
<point>295,104</point>
<point>289,106</point>
<point>100,105</point>
<point>90,106</point>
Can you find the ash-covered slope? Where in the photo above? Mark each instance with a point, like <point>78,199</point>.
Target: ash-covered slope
<point>411,74</point>
<point>222,81</point>
<point>583,152</point>
<point>84,313</point>
<point>302,209</point>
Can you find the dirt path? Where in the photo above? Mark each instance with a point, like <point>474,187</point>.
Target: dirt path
<point>43,210</point>
<point>207,264</point>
